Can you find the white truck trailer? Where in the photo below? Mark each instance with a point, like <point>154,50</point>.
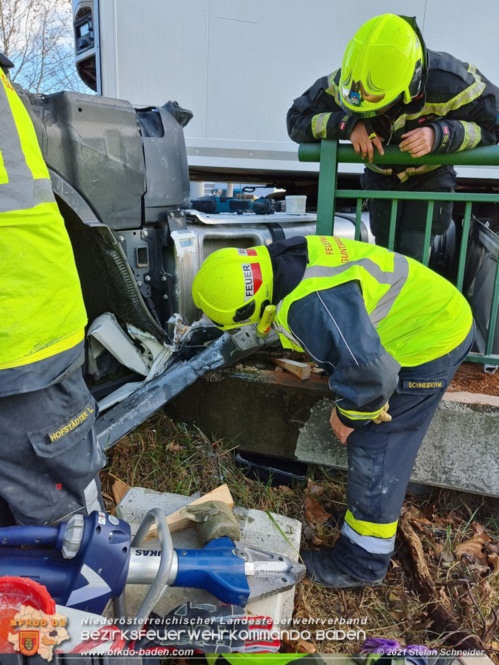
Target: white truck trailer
<point>238,65</point>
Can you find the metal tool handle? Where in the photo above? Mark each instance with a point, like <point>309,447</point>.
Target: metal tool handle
<point>160,583</point>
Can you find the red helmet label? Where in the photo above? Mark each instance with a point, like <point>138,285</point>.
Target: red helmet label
<point>252,279</point>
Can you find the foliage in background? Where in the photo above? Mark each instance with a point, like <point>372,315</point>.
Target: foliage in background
<point>37,35</point>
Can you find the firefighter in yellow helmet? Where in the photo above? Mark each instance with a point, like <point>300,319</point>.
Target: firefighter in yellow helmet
<point>389,332</point>
<point>391,89</point>
<point>49,456</point>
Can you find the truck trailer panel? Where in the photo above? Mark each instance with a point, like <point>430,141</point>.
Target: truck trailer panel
<point>238,64</point>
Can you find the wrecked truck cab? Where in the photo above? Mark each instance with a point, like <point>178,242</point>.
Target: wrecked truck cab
<point>118,222</point>
<point>121,180</point>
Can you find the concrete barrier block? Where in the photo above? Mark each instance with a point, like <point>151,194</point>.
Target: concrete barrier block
<point>257,530</point>
<point>460,449</point>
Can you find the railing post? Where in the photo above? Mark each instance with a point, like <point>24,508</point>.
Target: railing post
<point>493,313</point>
<point>463,249</point>
<point>327,187</point>
<point>427,232</point>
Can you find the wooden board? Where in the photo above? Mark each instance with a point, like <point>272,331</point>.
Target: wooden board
<point>299,369</point>
<point>176,522</point>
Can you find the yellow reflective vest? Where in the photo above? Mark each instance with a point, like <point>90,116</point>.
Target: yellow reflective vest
<point>41,305</point>
<point>418,315</point>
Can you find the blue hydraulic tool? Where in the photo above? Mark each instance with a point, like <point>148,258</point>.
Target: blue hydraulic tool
<point>86,561</point>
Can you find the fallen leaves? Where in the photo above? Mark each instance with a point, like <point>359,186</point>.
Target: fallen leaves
<point>315,514</point>
<point>480,548</point>
<point>493,561</point>
<point>314,489</point>
<point>439,604</point>
<point>298,646</point>
<point>174,447</point>
<point>285,489</point>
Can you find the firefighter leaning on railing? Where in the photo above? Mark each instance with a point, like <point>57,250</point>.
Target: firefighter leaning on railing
<point>392,90</point>
<point>49,457</point>
<point>388,331</point>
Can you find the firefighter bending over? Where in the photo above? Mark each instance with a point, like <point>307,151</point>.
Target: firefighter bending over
<point>389,332</point>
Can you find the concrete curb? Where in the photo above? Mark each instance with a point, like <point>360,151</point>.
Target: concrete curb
<point>472,398</point>
<point>460,449</point>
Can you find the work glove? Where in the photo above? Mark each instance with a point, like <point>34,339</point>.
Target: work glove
<point>384,416</point>
<point>214,519</point>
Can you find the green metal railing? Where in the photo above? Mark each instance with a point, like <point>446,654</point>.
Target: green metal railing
<point>331,153</point>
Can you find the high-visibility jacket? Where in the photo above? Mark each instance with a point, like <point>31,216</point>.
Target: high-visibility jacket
<point>417,315</point>
<point>42,314</point>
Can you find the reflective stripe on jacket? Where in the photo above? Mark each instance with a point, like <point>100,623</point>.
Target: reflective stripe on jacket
<point>41,305</point>
<point>418,315</point>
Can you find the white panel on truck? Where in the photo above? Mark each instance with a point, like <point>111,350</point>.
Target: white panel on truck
<point>238,64</point>
<point>469,32</point>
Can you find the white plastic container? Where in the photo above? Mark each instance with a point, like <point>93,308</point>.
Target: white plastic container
<point>296,205</point>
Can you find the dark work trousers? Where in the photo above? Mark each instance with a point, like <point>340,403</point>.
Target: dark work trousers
<point>381,457</point>
<point>411,215</point>
<point>49,455</point>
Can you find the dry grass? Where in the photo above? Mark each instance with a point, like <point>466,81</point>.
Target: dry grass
<point>167,456</point>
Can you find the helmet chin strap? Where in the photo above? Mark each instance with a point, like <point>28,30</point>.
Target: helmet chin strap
<point>247,310</point>
<point>369,126</point>
<point>264,306</point>
<point>417,80</point>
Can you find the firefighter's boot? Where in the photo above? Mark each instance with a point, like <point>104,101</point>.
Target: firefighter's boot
<point>321,568</point>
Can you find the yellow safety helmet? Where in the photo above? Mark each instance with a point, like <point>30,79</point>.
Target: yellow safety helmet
<point>233,286</point>
<point>383,62</point>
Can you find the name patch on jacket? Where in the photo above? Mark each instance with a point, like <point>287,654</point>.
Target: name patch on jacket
<point>423,385</point>
<point>328,248</point>
<point>72,424</point>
